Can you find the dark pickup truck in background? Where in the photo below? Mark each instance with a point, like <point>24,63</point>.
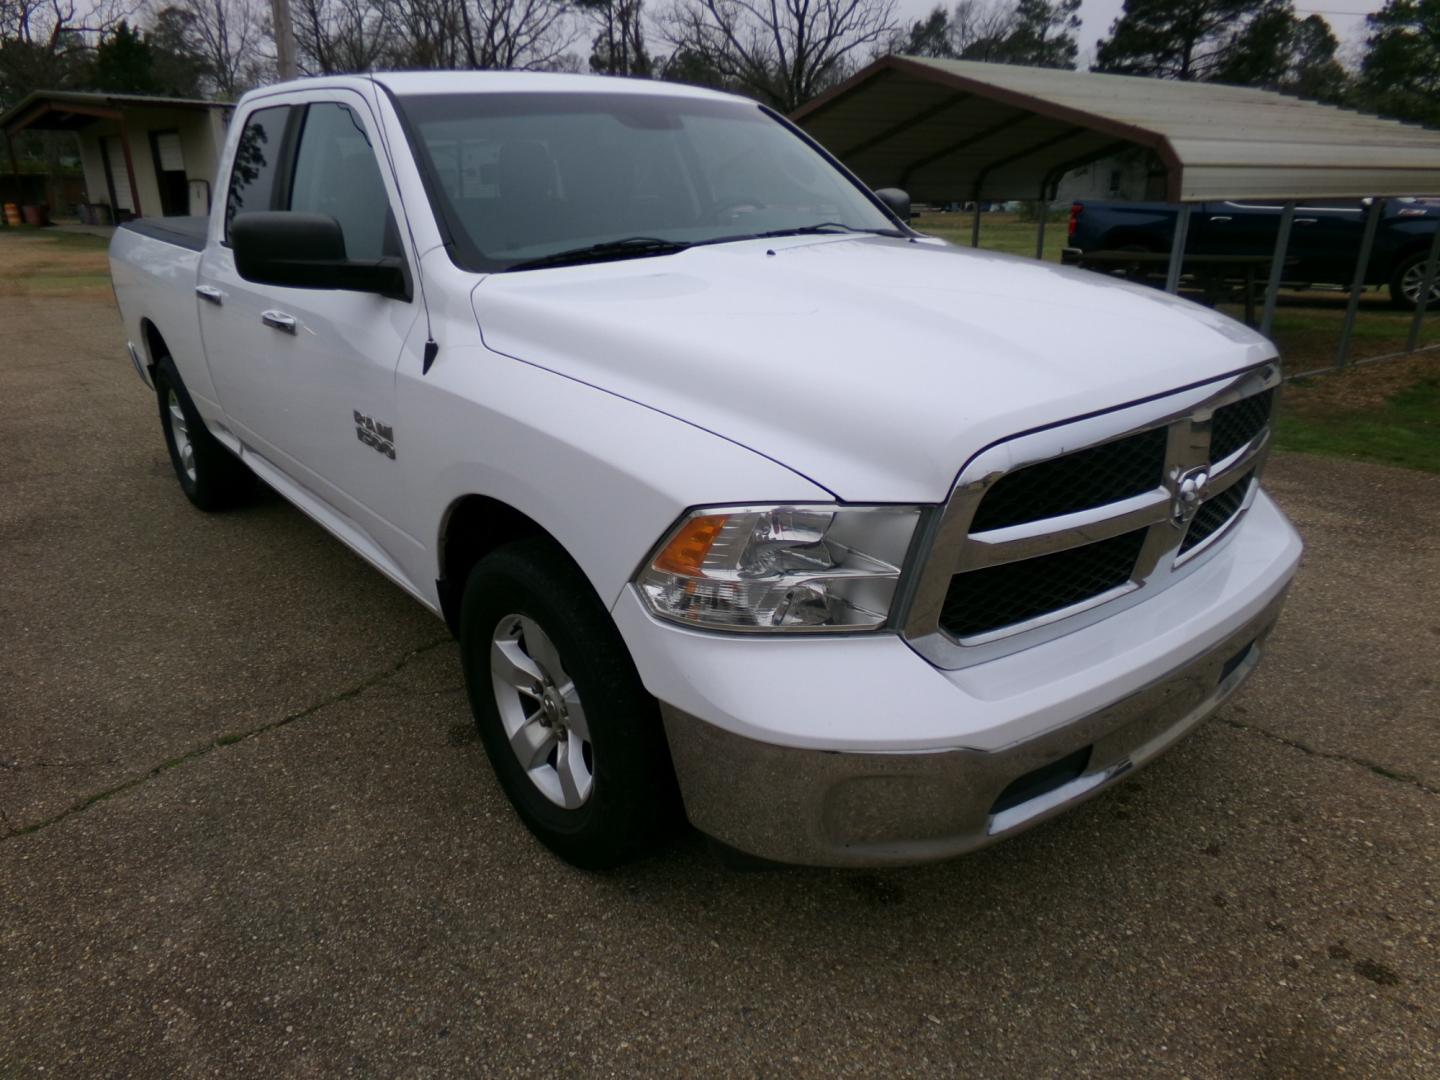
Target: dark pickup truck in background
<point>1324,238</point>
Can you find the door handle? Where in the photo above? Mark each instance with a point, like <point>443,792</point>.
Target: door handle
<point>1306,220</point>
<point>1222,217</point>
<point>209,292</point>
<point>279,320</point>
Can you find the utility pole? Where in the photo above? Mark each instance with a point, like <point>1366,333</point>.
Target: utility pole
<point>284,39</point>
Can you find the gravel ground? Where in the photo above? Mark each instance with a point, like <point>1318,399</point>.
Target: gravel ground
<point>245,827</point>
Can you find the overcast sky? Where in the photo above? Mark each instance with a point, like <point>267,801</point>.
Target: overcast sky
<point>1347,17</point>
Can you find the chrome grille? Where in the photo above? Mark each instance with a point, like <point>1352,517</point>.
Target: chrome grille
<point>1214,514</point>
<point>1013,592</point>
<point>1039,538</point>
<point>1087,478</point>
<point>1235,425</point>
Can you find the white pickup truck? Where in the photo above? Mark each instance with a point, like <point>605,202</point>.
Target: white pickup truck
<point>747,502</point>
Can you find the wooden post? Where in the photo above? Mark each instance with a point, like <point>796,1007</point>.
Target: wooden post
<point>15,168</point>
<point>284,40</point>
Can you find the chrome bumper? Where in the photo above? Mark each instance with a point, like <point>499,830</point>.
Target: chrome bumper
<point>832,808</point>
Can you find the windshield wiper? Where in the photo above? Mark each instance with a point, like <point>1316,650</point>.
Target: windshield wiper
<point>821,228</point>
<point>631,247</point>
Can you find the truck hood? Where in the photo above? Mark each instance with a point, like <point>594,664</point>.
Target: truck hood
<point>873,366</point>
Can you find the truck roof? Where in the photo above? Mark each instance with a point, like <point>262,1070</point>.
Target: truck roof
<point>410,83</point>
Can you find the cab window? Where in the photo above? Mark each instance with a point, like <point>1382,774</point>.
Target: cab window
<point>258,156</point>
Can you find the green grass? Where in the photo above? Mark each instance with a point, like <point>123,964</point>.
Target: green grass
<point>998,232</point>
<point>1403,430</point>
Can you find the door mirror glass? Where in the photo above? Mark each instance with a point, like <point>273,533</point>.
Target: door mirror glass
<point>307,251</point>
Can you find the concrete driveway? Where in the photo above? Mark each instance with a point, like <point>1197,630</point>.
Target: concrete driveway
<point>245,827</point>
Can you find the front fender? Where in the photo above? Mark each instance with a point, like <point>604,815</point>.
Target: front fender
<point>606,477</point>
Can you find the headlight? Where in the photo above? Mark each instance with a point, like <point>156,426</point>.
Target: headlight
<point>768,568</point>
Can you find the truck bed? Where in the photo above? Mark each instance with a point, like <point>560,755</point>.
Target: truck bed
<point>186,232</point>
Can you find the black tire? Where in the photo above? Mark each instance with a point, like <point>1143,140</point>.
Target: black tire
<point>632,801</point>
<point>1404,267</point>
<point>211,477</point>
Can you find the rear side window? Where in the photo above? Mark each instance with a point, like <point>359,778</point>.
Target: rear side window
<point>257,163</point>
<point>336,173</point>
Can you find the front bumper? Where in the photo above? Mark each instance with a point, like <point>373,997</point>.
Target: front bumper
<point>845,809</point>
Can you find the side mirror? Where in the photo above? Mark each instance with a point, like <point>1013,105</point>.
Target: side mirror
<point>898,201</point>
<point>307,251</point>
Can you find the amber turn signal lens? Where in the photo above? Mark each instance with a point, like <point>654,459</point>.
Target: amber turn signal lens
<point>685,554</point>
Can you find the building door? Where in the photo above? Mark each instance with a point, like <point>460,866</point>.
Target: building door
<point>116,175</point>
<point>170,173</point>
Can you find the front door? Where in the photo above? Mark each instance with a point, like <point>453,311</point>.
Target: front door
<point>307,376</point>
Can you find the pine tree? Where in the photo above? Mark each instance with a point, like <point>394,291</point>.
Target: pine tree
<point>1173,39</point>
<point>1400,75</point>
<point>123,63</point>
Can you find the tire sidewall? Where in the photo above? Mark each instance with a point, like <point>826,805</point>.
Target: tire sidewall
<point>630,768</point>
<point>166,380</point>
<point>221,480</point>
<point>1397,282</point>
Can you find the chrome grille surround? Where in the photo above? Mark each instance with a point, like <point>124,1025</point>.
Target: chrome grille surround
<point>951,548</point>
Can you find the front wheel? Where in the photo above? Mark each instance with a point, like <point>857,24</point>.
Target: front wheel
<point>1408,279</point>
<point>574,739</point>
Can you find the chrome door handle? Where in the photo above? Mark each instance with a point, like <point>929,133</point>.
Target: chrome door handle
<point>209,292</point>
<point>279,320</point>
<point>1306,220</point>
<point>1222,217</point>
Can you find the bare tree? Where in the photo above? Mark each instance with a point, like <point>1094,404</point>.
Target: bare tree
<point>480,34</point>
<point>524,34</point>
<point>618,47</point>
<point>784,52</point>
<point>233,37</point>
<point>339,36</point>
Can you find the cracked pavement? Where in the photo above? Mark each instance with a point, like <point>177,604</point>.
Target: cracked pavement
<point>247,828</point>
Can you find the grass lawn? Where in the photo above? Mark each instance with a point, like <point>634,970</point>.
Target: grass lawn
<point>47,262</point>
<point>1404,429</point>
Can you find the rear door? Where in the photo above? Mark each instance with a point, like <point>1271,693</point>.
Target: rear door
<point>1236,228</point>
<point>307,376</point>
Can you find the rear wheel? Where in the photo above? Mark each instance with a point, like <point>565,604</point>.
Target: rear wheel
<point>210,476</point>
<point>1408,279</point>
<point>573,737</point>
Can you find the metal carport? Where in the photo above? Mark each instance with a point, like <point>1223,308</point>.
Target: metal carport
<point>945,129</point>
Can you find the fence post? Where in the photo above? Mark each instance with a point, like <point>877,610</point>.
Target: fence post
<point>1357,283</point>
<point>1427,283</point>
<point>1277,266</point>
<point>1177,248</point>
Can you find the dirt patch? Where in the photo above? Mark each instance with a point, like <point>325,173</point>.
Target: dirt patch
<point>1366,387</point>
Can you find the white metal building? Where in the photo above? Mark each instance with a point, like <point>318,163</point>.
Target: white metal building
<point>142,156</point>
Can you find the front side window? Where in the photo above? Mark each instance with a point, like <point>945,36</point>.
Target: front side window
<point>257,163</point>
<point>520,177</point>
<point>336,173</point>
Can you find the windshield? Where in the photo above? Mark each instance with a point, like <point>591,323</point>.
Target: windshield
<point>523,177</point>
